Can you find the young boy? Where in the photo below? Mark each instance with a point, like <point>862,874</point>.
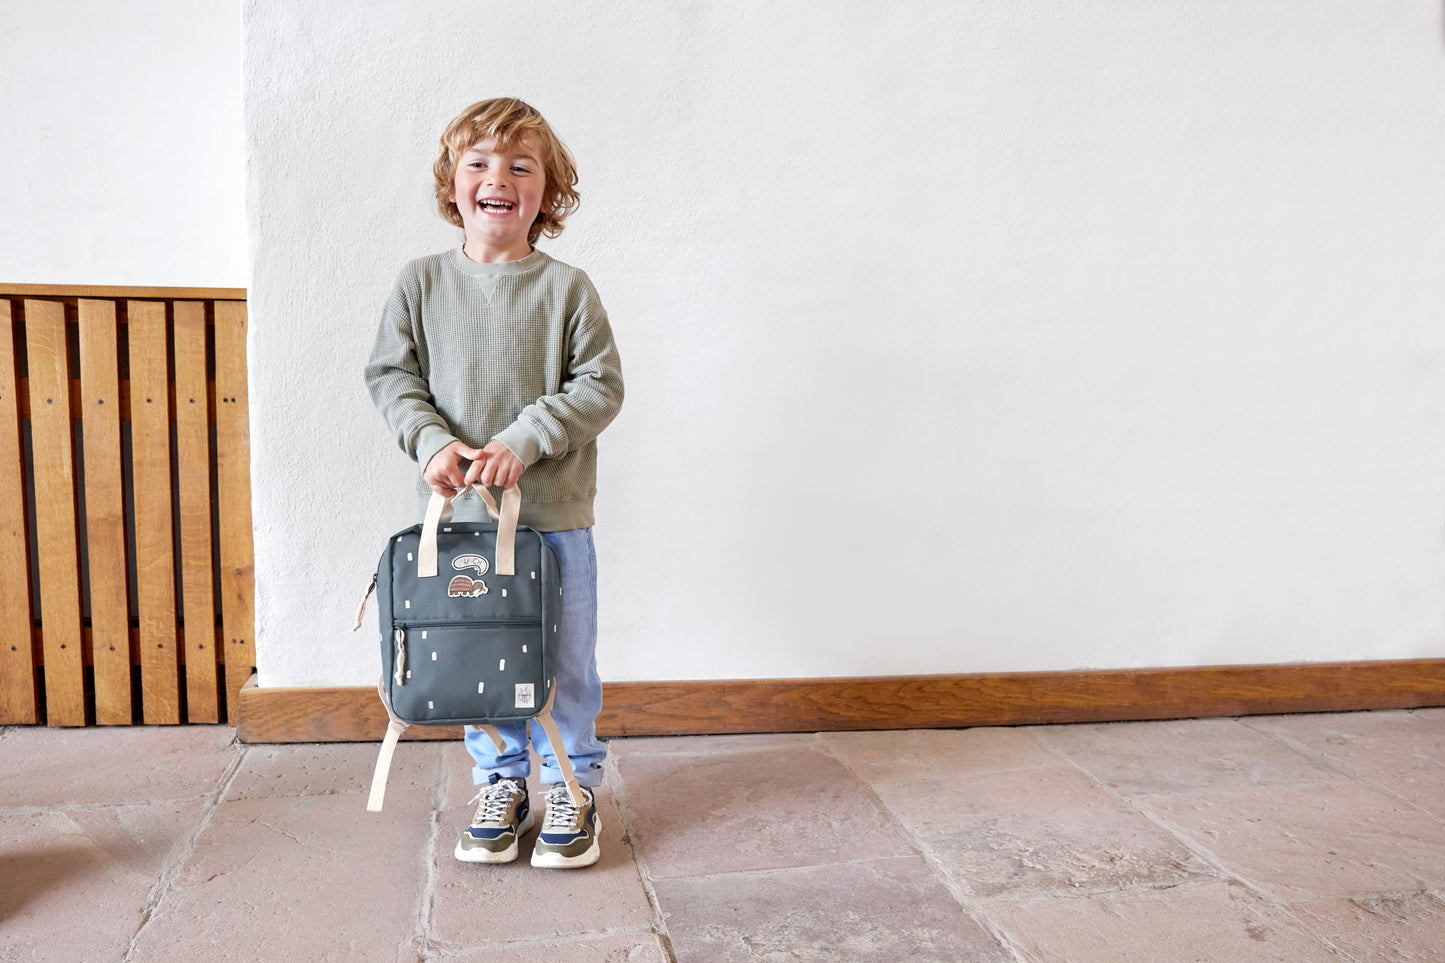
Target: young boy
<point>495,364</point>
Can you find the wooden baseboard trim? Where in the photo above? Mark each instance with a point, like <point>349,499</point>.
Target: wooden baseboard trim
<point>354,714</point>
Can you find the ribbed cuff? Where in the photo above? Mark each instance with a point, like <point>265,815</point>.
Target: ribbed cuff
<point>431,440</point>
<point>521,442</point>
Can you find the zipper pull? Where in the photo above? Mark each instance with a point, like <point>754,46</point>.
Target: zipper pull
<point>362,607</point>
<point>400,657</point>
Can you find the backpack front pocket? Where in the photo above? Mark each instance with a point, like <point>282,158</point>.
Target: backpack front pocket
<point>454,672</point>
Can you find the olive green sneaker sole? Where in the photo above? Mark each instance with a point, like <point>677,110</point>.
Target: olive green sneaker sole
<point>471,850</point>
<point>583,850</point>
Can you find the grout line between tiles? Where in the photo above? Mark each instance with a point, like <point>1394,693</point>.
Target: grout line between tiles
<point>971,905</point>
<point>613,776</point>
<point>168,874</point>
<point>1199,849</point>
<point>426,899</point>
<point>448,951</point>
<point>782,870</point>
<point>1341,767</point>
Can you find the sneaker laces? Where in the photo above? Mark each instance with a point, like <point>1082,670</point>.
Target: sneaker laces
<point>493,801</point>
<point>561,812</point>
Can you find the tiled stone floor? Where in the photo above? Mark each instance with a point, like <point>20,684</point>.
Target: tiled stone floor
<point>1290,838</point>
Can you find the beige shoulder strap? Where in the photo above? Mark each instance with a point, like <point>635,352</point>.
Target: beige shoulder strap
<point>493,735</point>
<point>394,728</point>
<point>559,751</point>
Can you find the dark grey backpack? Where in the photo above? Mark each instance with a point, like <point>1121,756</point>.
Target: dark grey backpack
<point>468,614</point>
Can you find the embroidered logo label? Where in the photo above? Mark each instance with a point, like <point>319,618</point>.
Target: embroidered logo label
<point>463,562</point>
<point>464,586</point>
<point>525,697</point>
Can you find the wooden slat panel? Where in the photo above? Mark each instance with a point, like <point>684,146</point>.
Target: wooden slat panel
<point>118,293</point>
<point>18,704</point>
<point>233,473</point>
<point>354,714</point>
<point>54,466</point>
<point>134,634</point>
<point>77,403</point>
<point>105,513</point>
<point>193,455</point>
<point>151,461</point>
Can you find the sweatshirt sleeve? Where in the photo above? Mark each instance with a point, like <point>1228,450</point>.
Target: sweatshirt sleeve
<point>590,396</point>
<point>396,377</point>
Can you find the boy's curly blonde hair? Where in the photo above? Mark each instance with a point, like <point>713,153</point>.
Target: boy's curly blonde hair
<point>506,121</point>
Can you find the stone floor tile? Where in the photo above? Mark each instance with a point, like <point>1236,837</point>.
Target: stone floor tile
<point>319,769</point>
<point>1401,751</point>
<point>883,909</point>
<point>475,903</point>
<point>701,745</point>
<point>1302,844</point>
<point>1222,756</point>
<point>733,811</point>
<point>1211,922</point>
<point>75,883</point>
<point>104,765</point>
<point>313,878</point>
<point>901,754</point>
<point>1394,928</point>
<point>1035,832</point>
<point>608,948</point>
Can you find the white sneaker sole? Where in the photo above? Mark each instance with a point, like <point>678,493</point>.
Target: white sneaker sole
<point>587,858</point>
<point>507,855</point>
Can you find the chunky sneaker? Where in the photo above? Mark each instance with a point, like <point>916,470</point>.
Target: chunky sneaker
<point>569,837</point>
<point>503,816</point>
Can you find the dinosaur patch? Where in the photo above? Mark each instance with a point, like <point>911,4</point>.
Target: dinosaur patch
<point>463,586</point>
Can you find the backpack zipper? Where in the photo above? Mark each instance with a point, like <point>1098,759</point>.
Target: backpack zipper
<point>467,623</point>
<point>401,627</point>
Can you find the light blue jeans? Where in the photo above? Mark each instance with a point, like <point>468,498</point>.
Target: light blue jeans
<point>579,687</point>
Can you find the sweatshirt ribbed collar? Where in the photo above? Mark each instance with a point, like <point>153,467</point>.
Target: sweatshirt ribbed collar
<point>500,269</point>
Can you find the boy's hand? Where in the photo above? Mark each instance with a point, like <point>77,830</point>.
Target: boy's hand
<point>496,466</point>
<point>443,473</point>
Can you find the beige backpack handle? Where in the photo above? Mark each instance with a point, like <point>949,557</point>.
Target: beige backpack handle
<point>426,558</point>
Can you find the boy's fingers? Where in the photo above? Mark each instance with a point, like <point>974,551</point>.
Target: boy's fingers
<point>446,481</point>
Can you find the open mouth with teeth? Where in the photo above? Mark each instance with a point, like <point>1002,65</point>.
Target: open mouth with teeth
<point>492,205</point>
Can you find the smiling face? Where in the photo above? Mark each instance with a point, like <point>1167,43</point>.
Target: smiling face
<point>498,191</point>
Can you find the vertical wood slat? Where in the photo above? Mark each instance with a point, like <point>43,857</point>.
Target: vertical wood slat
<point>233,476</point>
<point>55,522</point>
<point>193,458</point>
<point>18,703</point>
<point>105,512</point>
<point>154,552</point>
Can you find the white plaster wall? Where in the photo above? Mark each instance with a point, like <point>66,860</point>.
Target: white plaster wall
<point>958,337</point>
<point>123,159</point>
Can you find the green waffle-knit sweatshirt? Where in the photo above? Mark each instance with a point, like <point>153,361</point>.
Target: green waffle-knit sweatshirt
<point>520,352</point>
